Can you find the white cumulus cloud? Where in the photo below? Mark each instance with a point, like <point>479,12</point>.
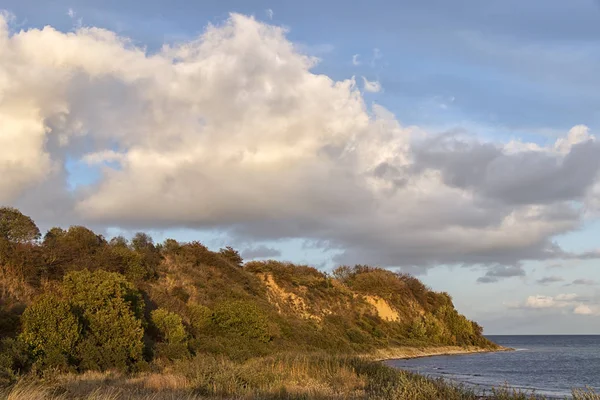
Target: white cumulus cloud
<point>371,86</point>
<point>234,131</point>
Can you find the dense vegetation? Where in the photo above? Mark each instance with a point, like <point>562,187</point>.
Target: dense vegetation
<point>74,304</point>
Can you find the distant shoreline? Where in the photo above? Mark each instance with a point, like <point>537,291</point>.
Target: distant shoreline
<point>404,353</point>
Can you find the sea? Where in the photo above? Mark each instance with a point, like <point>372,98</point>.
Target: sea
<point>547,365</point>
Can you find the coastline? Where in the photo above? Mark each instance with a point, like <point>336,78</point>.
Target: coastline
<point>400,353</point>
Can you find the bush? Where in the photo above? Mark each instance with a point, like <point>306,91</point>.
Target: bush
<point>98,325</point>
<point>417,329</point>
<point>14,358</point>
<point>91,291</point>
<point>112,310</point>
<point>200,317</point>
<point>113,337</point>
<point>242,319</point>
<point>169,326</point>
<point>172,333</point>
<point>51,330</point>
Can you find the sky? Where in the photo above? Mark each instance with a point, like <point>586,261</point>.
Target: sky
<point>452,140</point>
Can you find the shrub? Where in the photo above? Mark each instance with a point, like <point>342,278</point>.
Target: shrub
<point>417,329</point>
<point>113,337</point>
<point>51,330</point>
<point>92,291</point>
<point>180,293</point>
<point>112,311</point>
<point>200,317</point>
<point>14,358</point>
<point>169,326</point>
<point>242,319</point>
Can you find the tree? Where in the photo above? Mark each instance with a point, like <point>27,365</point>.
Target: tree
<point>51,330</point>
<point>200,317</point>
<point>232,255</point>
<point>169,325</point>
<point>172,335</point>
<point>16,227</point>
<point>148,258</point>
<point>94,290</point>
<point>112,311</point>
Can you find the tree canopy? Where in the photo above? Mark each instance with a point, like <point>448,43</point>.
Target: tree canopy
<point>17,227</point>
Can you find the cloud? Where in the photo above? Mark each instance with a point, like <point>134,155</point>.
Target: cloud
<point>588,282</point>
<point>77,22</point>
<point>371,86</point>
<point>559,301</point>
<point>549,279</point>
<point>516,173</point>
<point>233,131</point>
<point>355,59</point>
<point>376,56</point>
<point>566,302</point>
<point>269,13</point>
<point>584,309</point>
<point>260,252</point>
<point>497,272</point>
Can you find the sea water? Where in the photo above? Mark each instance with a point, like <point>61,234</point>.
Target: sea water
<point>548,365</point>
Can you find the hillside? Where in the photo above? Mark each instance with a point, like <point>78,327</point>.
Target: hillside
<point>73,301</point>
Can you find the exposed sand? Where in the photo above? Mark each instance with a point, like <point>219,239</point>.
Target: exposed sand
<point>415,352</point>
<point>384,310</point>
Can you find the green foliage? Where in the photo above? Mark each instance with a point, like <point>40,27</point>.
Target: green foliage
<point>200,317</point>
<point>95,325</point>
<point>93,291</point>
<point>435,329</point>
<point>112,310</point>
<point>16,227</point>
<point>172,334</point>
<point>75,249</point>
<point>51,329</point>
<point>169,325</point>
<point>242,319</point>
<point>290,275</point>
<point>231,255</point>
<point>14,358</point>
<point>113,337</point>
<point>170,247</point>
<point>417,329</point>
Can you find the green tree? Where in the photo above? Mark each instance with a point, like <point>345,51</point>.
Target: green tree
<point>51,330</point>
<point>232,255</point>
<point>417,329</point>
<point>169,325</point>
<point>112,311</point>
<point>16,227</point>
<point>200,317</point>
<point>91,291</point>
<point>148,257</point>
<point>172,334</point>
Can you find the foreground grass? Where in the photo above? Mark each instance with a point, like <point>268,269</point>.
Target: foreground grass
<point>286,376</point>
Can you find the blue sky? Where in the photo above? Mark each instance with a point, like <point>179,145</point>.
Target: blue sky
<point>497,71</point>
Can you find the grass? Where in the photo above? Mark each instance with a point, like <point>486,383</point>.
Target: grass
<point>284,376</point>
